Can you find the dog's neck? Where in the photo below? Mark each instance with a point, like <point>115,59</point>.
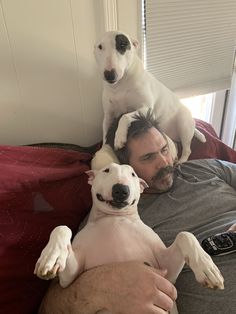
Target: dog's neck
<point>136,66</point>
<point>97,214</point>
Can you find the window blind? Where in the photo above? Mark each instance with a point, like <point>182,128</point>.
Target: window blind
<point>190,44</point>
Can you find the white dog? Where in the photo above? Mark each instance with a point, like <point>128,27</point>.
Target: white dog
<point>115,233</point>
<point>128,87</point>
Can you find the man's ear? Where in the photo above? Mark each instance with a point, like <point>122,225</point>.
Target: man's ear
<point>143,185</point>
<point>91,175</point>
<point>135,43</point>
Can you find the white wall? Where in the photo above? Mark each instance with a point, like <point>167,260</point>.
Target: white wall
<point>49,85</point>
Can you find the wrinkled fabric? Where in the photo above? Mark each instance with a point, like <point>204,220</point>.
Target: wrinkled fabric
<point>40,188</point>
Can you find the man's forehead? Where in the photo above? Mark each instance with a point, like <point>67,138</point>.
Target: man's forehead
<point>152,139</point>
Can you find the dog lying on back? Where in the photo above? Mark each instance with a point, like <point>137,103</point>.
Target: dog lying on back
<point>129,88</point>
<point>115,233</point>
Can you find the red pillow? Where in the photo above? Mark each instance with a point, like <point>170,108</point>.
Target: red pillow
<point>40,188</point>
<point>213,148</point>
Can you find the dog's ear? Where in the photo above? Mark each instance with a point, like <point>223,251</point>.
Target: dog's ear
<point>91,175</point>
<point>135,43</point>
<point>143,185</point>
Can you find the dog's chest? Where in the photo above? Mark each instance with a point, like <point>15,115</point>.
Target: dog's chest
<point>123,100</point>
<point>115,239</point>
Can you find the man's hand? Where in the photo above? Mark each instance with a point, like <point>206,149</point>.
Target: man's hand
<point>139,289</point>
<point>121,288</point>
<point>232,228</point>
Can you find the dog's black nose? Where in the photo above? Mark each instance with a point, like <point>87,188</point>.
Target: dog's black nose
<point>120,192</point>
<point>110,76</point>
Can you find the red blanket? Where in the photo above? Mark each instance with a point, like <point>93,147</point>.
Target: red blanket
<point>39,189</point>
<point>213,148</point>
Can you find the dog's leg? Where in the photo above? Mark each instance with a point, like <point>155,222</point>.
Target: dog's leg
<point>186,248</point>
<point>186,151</point>
<point>185,129</point>
<point>72,269</point>
<point>199,135</point>
<point>123,126</point>
<point>107,121</point>
<point>122,130</point>
<point>54,256</point>
<point>186,139</point>
<point>174,309</point>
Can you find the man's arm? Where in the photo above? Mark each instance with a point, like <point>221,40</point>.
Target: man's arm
<point>124,288</point>
<point>225,170</point>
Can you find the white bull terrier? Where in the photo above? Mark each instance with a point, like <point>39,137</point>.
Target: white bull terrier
<point>115,233</point>
<point>129,88</point>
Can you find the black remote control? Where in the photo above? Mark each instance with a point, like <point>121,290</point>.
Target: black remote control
<point>220,244</point>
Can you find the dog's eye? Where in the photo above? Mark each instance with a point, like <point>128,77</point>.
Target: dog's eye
<point>106,170</point>
<point>100,47</point>
<point>133,174</point>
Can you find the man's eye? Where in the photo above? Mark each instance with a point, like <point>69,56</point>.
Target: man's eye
<point>148,157</point>
<point>165,150</point>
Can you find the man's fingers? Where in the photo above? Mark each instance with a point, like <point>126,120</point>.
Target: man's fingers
<point>161,272</point>
<point>232,228</point>
<point>158,310</point>
<point>163,301</point>
<point>165,286</point>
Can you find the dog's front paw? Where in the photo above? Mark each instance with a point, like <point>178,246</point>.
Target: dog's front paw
<point>53,257</point>
<point>122,130</point>
<point>51,261</point>
<point>206,272</point>
<point>120,139</point>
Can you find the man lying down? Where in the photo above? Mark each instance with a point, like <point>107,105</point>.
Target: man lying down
<point>197,196</point>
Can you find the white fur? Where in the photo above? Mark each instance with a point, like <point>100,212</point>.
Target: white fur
<point>103,157</point>
<point>116,235</point>
<point>135,89</point>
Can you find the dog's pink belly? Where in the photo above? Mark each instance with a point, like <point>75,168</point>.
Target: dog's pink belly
<point>115,242</point>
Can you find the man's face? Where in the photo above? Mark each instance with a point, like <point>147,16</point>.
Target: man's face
<point>151,159</point>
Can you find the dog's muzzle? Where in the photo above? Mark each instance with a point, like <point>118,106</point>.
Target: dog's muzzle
<point>120,194</point>
<point>110,76</point>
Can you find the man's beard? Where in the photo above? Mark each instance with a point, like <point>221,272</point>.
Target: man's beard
<point>163,179</point>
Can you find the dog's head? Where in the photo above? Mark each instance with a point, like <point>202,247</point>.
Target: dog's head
<point>116,188</point>
<point>114,54</point>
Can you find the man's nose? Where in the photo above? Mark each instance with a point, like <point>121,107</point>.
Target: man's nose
<point>161,162</point>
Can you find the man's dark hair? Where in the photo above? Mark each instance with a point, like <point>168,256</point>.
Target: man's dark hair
<point>138,127</point>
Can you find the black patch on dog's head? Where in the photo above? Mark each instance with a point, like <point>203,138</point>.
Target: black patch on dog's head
<point>122,44</point>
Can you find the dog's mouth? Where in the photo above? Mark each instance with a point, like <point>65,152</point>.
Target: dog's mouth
<point>111,81</point>
<point>114,203</point>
